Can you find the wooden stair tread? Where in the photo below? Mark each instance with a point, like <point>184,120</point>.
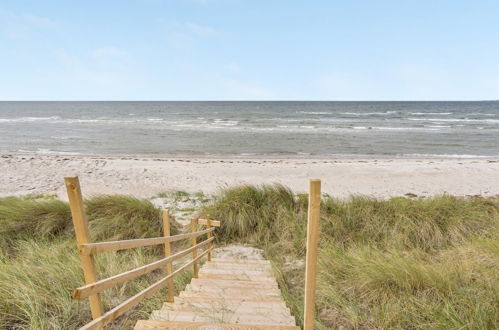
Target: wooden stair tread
<point>234,283</point>
<point>175,325</point>
<point>223,317</point>
<point>225,303</point>
<point>196,296</point>
<point>242,261</point>
<point>210,288</point>
<point>236,271</point>
<point>235,277</point>
<point>227,265</point>
<point>245,307</point>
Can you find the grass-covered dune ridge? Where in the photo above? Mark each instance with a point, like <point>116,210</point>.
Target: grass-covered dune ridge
<point>398,263</point>
<point>111,217</point>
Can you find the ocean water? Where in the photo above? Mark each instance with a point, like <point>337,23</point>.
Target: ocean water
<point>249,129</point>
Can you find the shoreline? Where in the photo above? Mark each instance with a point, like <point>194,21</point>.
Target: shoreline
<point>258,156</point>
<point>146,176</point>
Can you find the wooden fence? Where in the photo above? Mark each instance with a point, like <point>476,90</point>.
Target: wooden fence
<point>88,249</point>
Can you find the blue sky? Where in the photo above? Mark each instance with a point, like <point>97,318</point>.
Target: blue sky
<point>249,50</point>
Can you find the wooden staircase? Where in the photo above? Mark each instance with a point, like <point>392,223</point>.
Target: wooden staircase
<point>228,294</point>
<point>237,292</point>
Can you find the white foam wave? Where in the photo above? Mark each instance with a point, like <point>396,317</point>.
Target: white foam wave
<point>44,151</point>
<point>314,112</point>
<point>492,121</point>
<point>430,113</point>
<point>438,126</point>
<point>447,156</point>
<point>376,113</point>
<point>28,119</point>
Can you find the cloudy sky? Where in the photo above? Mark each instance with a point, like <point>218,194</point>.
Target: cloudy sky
<point>249,50</point>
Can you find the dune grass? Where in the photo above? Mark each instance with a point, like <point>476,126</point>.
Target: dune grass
<point>39,265</point>
<point>399,263</point>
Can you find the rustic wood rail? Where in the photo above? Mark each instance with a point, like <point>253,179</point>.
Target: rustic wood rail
<point>88,249</point>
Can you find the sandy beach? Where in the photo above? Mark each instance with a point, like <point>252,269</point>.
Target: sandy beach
<point>147,176</point>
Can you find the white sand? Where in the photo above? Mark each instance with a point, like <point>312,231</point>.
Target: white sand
<point>143,176</point>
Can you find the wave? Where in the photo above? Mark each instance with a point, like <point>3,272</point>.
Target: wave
<point>494,121</point>
<point>377,113</point>
<point>430,113</point>
<point>44,151</point>
<point>28,119</point>
<point>315,112</point>
<point>447,156</point>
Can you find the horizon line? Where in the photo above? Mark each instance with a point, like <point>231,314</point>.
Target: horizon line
<point>116,100</point>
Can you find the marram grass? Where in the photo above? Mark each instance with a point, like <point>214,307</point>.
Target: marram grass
<point>398,263</point>
<point>383,264</point>
<point>40,267</point>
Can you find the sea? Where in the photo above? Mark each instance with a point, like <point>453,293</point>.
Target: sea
<point>252,129</point>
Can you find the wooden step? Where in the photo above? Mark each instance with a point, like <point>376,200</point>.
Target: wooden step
<point>211,295</point>
<point>249,271</point>
<point>237,292</point>
<point>244,289</point>
<point>223,317</point>
<point>237,265</point>
<point>246,307</point>
<point>242,261</point>
<point>200,297</point>
<point>206,302</point>
<point>234,284</point>
<point>171,325</point>
<point>266,269</point>
<point>237,276</point>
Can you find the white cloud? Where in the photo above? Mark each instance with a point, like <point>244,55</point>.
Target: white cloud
<point>23,25</point>
<point>232,68</point>
<point>200,30</point>
<point>110,53</point>
<point>105,67</point>
<point>38,21</point>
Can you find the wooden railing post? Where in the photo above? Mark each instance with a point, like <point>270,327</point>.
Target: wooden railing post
<point>208,224</point>
<point>314,204</point>
<point>194,225</point>
<point>168,252</point>
<point>80,223</point>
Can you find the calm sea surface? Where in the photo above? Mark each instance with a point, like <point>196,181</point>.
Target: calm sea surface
<point>299,129</point>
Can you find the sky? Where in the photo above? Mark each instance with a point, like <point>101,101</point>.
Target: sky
<point>249,50</point>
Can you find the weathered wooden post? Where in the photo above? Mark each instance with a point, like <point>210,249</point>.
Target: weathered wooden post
<point>80,223</point>
<point>168,252</point>
<point>314,204</point>
<point>194,225</point>
<point>208,225</point>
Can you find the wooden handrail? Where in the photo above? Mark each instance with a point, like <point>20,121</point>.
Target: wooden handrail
<point>90,289</point>
<point>87,249</point>
<point>94,248</point>
<point>129,303</point>
<point>205,222</point>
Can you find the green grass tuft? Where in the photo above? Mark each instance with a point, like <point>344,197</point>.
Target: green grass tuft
<point>20,217</point>
<point>116,217</point>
